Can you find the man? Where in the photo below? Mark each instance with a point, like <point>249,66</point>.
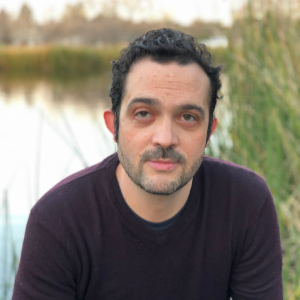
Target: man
<point>157,220</point>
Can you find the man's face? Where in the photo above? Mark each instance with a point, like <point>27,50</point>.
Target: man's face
<point>163,124</point>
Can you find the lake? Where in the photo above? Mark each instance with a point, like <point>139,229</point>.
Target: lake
<point>48,130</point>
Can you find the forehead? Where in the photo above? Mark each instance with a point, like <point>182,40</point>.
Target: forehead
<point>167,82</point>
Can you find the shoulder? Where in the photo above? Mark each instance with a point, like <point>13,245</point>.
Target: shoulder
<point>227,168</point>
<point>233,190</point>
<point>79,189</point>
<point>89,172</point>
<point>238,200</point>
<point>229,176</point>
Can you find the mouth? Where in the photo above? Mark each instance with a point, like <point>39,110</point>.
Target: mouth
<point>162,165</point>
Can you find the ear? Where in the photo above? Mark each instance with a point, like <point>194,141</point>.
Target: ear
<point>109,118</point>
<point>213,128</point>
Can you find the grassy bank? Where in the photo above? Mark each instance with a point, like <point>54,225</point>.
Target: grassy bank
<point>263,66</point>
<point>55,61</point>
<point>62,63</point>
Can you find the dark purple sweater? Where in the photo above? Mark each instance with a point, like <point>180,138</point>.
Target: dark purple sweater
<point>83,242</point>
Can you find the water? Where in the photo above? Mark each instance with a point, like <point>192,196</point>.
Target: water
<point>47,132</point>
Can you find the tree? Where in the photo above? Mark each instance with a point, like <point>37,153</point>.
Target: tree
<point>74,12</point>
<point>73,24</point>
<point>115,8</point>
<point>24,25</point>
<point>5,28</point>
<point>25,16</point>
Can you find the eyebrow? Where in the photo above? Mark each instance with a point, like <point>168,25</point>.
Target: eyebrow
<point>155,102</point>
<point>198,108</point>
<point>148,101</point>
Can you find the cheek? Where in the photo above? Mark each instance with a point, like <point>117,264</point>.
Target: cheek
<point>125,132</point>
<point>135,135</point>
<point>193,146</point>
<point>133,141</point>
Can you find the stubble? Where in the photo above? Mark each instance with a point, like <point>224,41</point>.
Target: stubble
<point>158,187</point>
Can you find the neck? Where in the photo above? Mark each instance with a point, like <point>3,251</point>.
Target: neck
<point>153,208</point>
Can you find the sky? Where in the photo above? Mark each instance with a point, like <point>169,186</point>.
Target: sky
<point>183,12</point>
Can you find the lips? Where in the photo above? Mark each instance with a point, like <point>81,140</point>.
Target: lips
<point>162,165</point>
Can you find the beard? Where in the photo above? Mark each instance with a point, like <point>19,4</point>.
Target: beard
<point>159,187</point>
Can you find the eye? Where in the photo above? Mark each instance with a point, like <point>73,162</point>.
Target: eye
<point>143,114</point>
<point>188,118</point>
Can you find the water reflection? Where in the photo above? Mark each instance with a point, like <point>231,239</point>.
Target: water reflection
<point>48,130</point>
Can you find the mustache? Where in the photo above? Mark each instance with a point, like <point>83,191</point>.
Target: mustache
<point>164,153</point>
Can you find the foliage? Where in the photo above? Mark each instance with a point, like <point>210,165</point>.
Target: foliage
<point>263,67</point>
<point>63,63</point>
<point>106,27</point>
<point>55,62</point>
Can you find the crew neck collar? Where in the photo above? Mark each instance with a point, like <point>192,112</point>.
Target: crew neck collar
<point>130,220</point>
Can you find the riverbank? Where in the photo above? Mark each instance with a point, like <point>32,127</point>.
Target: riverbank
<point>55,61</point>
<point>64,62</point>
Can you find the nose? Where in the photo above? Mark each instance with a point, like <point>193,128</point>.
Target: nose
<point>165,134</point>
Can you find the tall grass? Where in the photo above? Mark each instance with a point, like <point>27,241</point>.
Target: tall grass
<point>263,67</point>
<point>8,254</point>
<point>55,61</point>
<point>61,62</point>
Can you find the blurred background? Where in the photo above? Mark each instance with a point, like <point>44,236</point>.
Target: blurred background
<point>54,83</point>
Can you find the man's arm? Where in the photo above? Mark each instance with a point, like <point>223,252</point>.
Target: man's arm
<point>45,271</point>
<point>258,274</point>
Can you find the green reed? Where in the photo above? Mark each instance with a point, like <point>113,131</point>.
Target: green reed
<point>61,63</point>
<point>8,251</point>
<point>55,61</point>
<point>263,67</point>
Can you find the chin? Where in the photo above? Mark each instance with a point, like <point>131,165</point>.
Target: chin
<point>164,189</point>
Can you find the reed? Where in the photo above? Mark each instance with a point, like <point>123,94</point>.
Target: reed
<point>62,63</point>
<point>263,67</point>
<point>8,254</point>
<point>55,61</point>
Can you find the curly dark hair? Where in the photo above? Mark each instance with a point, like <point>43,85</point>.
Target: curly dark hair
<point>163,46</point>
